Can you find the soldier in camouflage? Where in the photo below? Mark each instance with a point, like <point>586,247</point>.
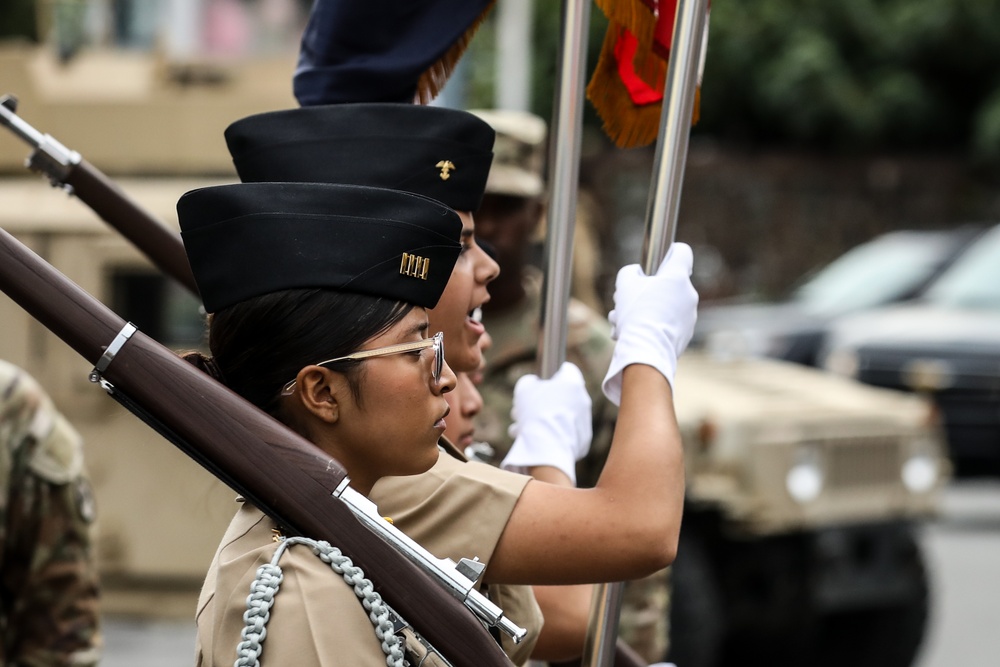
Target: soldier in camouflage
<point>48,581</point>
<point>507,220</point>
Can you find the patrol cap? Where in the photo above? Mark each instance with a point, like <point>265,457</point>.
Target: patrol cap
<point>440,153</point>
<point>248,239</point>
<point>518,153</point>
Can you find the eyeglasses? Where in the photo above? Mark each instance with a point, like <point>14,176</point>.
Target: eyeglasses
<point>436,342</point>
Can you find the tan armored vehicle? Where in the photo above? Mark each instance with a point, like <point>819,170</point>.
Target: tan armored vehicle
<point>151,126</point>
<point>798,546</point>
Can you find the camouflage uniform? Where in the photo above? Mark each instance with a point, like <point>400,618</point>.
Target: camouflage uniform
<point>644,617</point>
<point>48,582</point>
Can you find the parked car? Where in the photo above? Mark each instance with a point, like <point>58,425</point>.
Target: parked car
<point>946,344</point>
<point>892,267</point>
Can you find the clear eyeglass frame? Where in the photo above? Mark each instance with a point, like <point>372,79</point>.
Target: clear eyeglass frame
<point>436,341</point>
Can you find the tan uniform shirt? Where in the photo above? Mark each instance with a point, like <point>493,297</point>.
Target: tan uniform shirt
<point>459,510</point>
<point>316,619</point>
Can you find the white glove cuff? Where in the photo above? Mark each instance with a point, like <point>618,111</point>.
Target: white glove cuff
<point>628,351</point>
<point>532,449</point>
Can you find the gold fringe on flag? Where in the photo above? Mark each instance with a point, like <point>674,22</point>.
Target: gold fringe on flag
<point>632,117</point>
<point>627,124</point>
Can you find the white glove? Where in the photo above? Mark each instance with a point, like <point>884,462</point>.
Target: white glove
<point>653,318</point>
<point>552,422</point>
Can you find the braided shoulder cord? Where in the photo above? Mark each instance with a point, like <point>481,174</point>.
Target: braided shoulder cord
<point>265,587</point>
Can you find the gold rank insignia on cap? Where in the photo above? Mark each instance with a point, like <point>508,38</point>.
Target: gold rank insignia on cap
<point>446,167</point>
<point>414,266</point>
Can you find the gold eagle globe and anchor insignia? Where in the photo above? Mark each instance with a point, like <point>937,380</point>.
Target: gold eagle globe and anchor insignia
<point>414,266</point>
<point>446,167</point>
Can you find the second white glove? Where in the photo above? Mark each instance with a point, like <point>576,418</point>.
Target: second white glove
<point>653,319</point>
<point>552,422</point>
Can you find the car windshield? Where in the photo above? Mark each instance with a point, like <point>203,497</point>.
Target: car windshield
<point>974,280</point>
<point>877,272</point>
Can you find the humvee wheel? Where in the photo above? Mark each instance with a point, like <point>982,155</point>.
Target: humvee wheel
<point>888,636</point>
<point>697,616</point>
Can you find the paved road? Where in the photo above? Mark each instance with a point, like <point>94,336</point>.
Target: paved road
<point>963,552</point>
<point>132,642</point>
<point>963,555</point>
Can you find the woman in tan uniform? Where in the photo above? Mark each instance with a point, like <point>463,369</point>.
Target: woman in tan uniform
<point>279,265</point>
<point>444,154</point>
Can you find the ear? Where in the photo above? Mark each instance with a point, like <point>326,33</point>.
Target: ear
<point>320,391</point>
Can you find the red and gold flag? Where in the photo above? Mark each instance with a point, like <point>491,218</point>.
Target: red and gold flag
<point>626,88</point>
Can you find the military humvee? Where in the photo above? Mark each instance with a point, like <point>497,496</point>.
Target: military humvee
<point>802,489</point>
<point>798,543</point>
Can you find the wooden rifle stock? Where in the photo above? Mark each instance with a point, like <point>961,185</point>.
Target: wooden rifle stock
<point>280,472</point>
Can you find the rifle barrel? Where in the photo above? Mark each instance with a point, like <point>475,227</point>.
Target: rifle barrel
<point>65,167</point>
<point>161,245</point>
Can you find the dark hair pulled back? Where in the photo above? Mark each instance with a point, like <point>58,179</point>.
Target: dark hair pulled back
<point>260,344</point>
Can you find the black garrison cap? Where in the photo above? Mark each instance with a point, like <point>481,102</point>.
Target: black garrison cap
<point>441,153</point>
<point>249,239</point>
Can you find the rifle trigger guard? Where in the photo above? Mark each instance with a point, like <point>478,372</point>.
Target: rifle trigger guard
<point>112,350</point>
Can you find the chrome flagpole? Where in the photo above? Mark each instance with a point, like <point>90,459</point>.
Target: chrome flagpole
<point>565,134</point>
<point>687,54</point>
<point>663,206</point>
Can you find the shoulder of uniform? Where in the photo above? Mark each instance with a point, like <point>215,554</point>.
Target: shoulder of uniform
<point>25,409</point>
<point>27,415</point>
<point>59,456</point>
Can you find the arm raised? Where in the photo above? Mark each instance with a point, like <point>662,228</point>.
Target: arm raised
<point>628,525</point>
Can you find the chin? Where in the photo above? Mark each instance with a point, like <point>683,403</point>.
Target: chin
<point>468,361</point>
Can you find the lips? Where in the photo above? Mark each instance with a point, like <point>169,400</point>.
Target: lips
<point>440,423</point>
<point>474,321</point>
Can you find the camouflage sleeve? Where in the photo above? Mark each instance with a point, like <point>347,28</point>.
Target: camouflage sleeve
<point>49,614</point>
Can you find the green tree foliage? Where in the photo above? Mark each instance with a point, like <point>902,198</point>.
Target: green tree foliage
<point>855,74</point>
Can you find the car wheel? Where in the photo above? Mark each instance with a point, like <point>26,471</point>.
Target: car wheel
<point>697,615</point>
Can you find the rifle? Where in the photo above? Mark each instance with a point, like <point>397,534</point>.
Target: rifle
<point>68,170</point>
<point>280,472</point>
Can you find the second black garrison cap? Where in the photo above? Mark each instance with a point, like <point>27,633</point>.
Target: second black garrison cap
<point>249,239</point>
<point>441,153</point>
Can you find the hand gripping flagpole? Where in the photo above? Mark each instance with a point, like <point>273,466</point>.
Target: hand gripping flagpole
<point>662,210</point>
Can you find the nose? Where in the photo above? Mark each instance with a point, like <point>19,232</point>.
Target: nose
<point>448,380</point>
<point>486,269</point>
<point>472,401</point>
